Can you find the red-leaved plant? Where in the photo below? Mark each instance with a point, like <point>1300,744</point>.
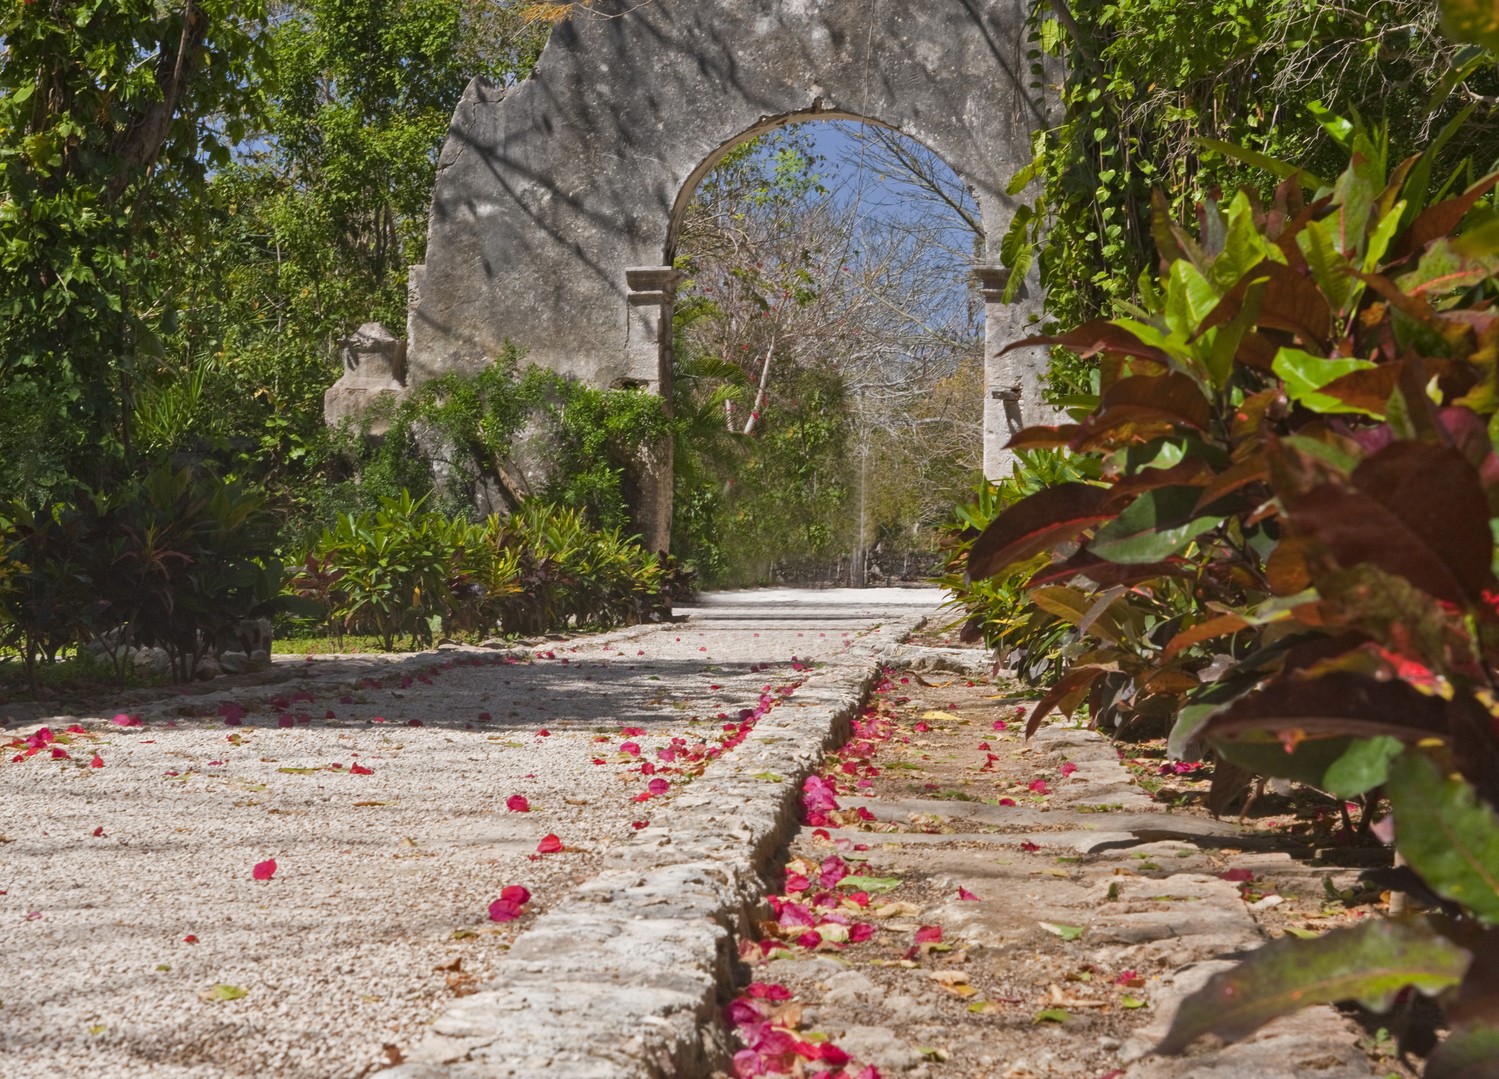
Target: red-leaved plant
<point>1289,553</point>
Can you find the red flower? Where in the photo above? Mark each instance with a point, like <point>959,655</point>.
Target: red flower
<point>549,844</point>
<point>264,870</point>
<point>517,803</point>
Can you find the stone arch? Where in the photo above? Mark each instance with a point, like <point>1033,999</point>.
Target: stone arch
<point>556,201</point>
<point>764,126</point>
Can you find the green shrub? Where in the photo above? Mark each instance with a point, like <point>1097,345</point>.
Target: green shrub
<point>999,610</point>
<point>403,571</point>
<point>176,559</point>
<point>1296,502</point>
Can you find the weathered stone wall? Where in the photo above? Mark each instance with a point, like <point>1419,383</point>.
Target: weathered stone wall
<point>557,202</point>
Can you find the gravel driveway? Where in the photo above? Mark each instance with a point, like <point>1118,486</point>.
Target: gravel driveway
<point>139,941</point>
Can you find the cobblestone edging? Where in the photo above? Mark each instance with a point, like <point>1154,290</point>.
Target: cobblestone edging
<point>623,976</point>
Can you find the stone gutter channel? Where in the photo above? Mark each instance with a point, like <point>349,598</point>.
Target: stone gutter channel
<point>627,974</point>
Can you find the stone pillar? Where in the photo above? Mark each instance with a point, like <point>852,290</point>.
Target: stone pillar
<point>652,292</point>
<point>1006,385</point>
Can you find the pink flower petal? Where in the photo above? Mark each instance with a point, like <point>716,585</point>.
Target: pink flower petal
<point>658,786</point>
<point>504,910</point>
<point>768,991</point>
<point>929,934</point>
<point>1068,768</point>
<point>964,893</point>
<point>515,893</point>
<point>96,762</point>
<point>517,803</point>
<point>264,870</point>
<point>549,844</point>
<point>357,769</point>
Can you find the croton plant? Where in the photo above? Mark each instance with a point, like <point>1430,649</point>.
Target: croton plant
<point>1289,553</point>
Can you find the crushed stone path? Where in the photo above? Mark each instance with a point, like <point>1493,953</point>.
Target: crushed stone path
<point>140,943</point>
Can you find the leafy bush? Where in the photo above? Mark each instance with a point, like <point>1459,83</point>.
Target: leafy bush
<point>1296,502</point>
<point>504,436</point>
<point>176,560</point>
<point>404,571</point>
<point>1157,94</point>
<point>1000,612</point>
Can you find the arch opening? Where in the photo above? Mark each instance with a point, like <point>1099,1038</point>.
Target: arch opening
<point>827,353</point>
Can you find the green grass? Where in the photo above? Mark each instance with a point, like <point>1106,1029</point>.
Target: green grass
<point>72,673</point>
<point>322,646</point>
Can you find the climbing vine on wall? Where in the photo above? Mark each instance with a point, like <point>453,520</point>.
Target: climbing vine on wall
<point>1159,94</point>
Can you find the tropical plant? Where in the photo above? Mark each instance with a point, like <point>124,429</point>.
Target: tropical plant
<point>406,571</point>
<point>999,610</point>
<point>1162,95</point>
<point>1295,435</point>
<point>177,560</point>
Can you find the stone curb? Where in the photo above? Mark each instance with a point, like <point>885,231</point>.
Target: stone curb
<point>625,976</point>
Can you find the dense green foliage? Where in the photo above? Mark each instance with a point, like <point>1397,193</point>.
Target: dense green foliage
<point>1269,527</point>
<point>111,116</point>
<point>498,439</point>
<point>199,201</point>
<point>175,560</point>
<point>1282,543</point>
<point>403,571</point>
<point>1157,95</point>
